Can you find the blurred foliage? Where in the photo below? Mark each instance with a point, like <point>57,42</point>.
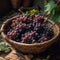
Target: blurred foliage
<point>52,8</point>
<point>4,48</point>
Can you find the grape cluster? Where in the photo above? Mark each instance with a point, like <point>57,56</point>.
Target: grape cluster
<point>29,29</point>
<point>29,37</point>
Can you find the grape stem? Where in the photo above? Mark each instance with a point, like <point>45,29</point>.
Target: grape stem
<point>21,11</point>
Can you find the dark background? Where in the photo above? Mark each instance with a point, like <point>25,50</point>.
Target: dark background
<point>7,6</point>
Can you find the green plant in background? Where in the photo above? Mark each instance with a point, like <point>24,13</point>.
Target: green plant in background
<point>33,11</point>
<point>4,48</point>
<point>52,8</point>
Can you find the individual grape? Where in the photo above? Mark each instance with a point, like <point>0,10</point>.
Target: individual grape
<point>38,25</point>
<point>36,16</point>
<point>34,23</point>
<point>33,40</point>
<point>39,19</point>
<point>25,39</point>
<point>49,32</point>
<point>23,27</point>
<point>45,39</point>
<point>32,16</point>
<point>20,19</point>
<point>35,29</point>
<point>39,40</point>
<point>24,20</point>
<point>29,27</point>
<point>42,39</point>
<point>13,21</point>
<point>23,35</point>
<point>13,24</point>
<point>17,40</point>
<point>34,34</point>
<point>29,20</point>
<point>29,40</point>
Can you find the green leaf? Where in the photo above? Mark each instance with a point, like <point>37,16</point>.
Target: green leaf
<point>34,11</point>
<point>5,48</point>
<point>55,18</point>
<point>50,7</point>
<point>58,18</point>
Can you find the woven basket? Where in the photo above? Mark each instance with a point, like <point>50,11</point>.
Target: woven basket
<point>29,48</point>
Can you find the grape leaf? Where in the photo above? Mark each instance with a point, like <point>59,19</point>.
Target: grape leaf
<point>55,18</point>
<point>52,8</point>
<point>33,11</point>
<point>5,48</point>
